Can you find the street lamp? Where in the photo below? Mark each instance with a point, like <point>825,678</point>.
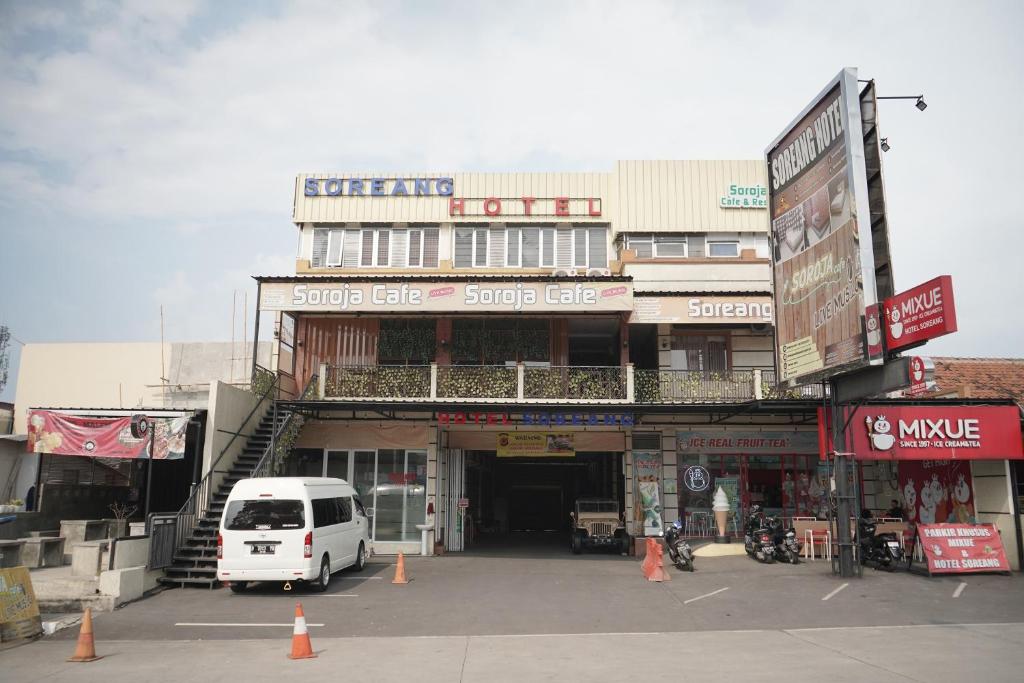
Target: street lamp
<point>919,103</point>
<point>885,144</point>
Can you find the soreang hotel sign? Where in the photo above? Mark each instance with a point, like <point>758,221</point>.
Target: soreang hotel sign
<point>440,296</point>
<point>823,270</point>
<point>554,207</point>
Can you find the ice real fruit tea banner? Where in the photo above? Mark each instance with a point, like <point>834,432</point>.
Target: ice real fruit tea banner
<point>815,247</point>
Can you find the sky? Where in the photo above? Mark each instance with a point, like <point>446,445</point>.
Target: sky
<point>148,149</point>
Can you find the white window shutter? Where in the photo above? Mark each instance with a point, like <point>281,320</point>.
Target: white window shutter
<point>320,239</point>
<point>431,236</point>
<point>496,255</point>
<point>463,247</point>
<point>415,247</point>
<point>350,254</point>
<point>383,247</point>
<point>399,248</point>
<point>334,245</point>
<point>563,253</point>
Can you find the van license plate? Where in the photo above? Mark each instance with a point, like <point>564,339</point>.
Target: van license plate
<point>262,549</point>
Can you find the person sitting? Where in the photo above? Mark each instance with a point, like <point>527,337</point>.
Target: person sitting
<point>895,510</point>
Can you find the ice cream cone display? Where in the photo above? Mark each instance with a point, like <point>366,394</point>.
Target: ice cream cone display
<point>720,506</point>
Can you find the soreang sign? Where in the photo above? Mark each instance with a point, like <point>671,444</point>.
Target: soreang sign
<point>823,271</point>
<point>390,297</point>
<point>936,433</point>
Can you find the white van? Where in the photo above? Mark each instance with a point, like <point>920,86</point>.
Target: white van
<point>290,529</point>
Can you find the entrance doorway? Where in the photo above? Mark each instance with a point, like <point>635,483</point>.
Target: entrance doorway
<point>523,504</point>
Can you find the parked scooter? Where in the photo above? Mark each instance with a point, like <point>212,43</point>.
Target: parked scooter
<point>787,548</point>
<point>679,551</point>
<point>757,537</point>
<point>882,550</point>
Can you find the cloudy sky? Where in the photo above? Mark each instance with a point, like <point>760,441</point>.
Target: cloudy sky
<point>148,149</point>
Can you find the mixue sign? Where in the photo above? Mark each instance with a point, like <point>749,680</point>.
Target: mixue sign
<point>920,314</point>
<point>962,548</point>
<point>937,433</point>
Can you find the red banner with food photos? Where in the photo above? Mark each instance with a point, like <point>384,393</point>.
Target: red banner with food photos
<point>103,437</point>
<point>962,548</point>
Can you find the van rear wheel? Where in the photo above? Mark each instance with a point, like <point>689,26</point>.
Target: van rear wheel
<point>322,581</point>
<point>360,558</point>
<point>238,586</point>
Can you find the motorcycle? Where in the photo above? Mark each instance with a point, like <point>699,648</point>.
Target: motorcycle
<point>786,547</point>
<point>679,551</point>
<point>883,550</point>
<point>757,537</point>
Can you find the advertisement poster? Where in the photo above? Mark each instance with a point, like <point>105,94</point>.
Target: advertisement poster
<point>962,548</point>
<point>536,445</point>
<point>19,612</point>
<point>823,274</point>
<point>893,432</point>
<point>104,437</point>
<point>647,491</point>
<point>936,491</point>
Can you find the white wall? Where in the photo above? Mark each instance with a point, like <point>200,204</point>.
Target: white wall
<point>228,408</point>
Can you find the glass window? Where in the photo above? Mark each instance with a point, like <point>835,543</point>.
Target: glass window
<point>512,247</point>
<point>597,249</point>
<point>325,512</point>
<point>286,348</point>
<point>480,247</point>
<point>344,509</point>
<point>415,248</point>
<point>383,247</point>
<point>547,253</point>
<point>430,240</point>
<point>670,246</point>
<point>337,464</point>
<point>367,249</point>
<point>579,239</point>
<point>724,249</point>
<point>400,494</point>
<point>320,240</point>
<point>708,353</point>
<point>643,245</point>
<point>531,248</point>
<point>251,515</point>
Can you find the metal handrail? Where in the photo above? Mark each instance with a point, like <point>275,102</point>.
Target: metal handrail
<point>198,500</point>
<point>268,453</point>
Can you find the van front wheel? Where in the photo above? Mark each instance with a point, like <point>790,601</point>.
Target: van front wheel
<point>320,585</point>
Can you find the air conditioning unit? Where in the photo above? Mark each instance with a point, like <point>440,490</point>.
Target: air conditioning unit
<point>563,272</point>
<point>599,272</point>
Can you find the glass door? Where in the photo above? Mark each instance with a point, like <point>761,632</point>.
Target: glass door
<point>338,464</point>
<point>364,480</point>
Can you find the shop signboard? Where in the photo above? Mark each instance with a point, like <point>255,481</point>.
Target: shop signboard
<point>919,314</point>
<point>473,418</point>
<point>105,437</point>
<point>19,611</point>
<point>962,548</point>
<point>647,473</point>
<point>755,310</point>
<point>535,445</point>
<point>919,375</point>
<point>579,419</point>
<point>512,296</point>
<point>936,432</point>
<point>818,206</point>
<point>744,197</point>
<point>747,441</point>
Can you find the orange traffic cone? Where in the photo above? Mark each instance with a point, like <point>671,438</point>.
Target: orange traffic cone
<point>400,570</point>
<point>85,650</point>
<point>301,647</point>
<point>648,562</point>
<point>659,574</point>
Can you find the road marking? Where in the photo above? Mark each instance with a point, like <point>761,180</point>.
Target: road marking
<point>706,595</point>
<point>356,578</point>
<point>959,589</point>
<point>835,591</point>
<point>337,595</point>
<point>203,623</point>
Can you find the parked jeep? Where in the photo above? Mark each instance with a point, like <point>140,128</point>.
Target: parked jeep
<point>597,523</point>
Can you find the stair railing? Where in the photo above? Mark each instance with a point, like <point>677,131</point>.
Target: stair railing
<point>268,462</point>
<point>199,500</point>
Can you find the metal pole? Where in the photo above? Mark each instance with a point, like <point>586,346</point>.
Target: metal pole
<point>842,489</point>
<point>256,333</point>
<point>149,474</point>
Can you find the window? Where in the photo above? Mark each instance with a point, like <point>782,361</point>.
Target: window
<point>415,248</point>
<point>344,509</point>
<point>318,259</point>
<point>420,249</point>
<point>547,247</point>
<point>706,353</point>
<point>375,247</point>
<point>657,246</point>
<point>512,236</point>
<point>531,247</point>
<point>325,512</point>
<point>726,249</point>
<point>270,515</point>
<point>471,247</point>
<point>590,247</point>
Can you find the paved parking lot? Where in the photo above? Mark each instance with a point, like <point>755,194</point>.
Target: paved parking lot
<point>464,595</point>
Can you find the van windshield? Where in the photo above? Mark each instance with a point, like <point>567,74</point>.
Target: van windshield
<point>254,515</point>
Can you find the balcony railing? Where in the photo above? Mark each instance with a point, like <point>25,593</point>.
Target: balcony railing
<point>560,384</point>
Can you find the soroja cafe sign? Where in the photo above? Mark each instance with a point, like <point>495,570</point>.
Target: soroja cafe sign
<point>440,296</point>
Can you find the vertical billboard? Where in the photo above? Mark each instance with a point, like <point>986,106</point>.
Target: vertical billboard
<point>823,271</point>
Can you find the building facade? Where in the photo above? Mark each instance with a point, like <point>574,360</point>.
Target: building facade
<point>489,347</point>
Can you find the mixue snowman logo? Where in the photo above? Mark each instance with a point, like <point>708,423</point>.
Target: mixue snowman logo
<point>895,326</point>
<point>878,433</point>
<point>910,499</point>
<point>874,335</point>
